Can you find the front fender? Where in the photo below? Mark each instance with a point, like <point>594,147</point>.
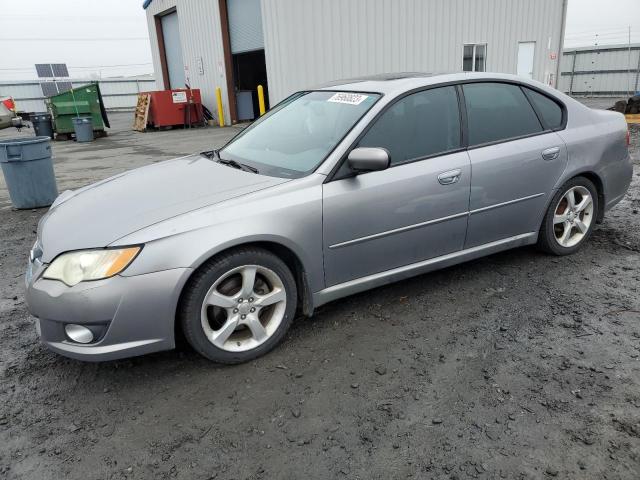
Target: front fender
<point>291,217</point>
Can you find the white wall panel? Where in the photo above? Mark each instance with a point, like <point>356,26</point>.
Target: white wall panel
<point>308,42</point>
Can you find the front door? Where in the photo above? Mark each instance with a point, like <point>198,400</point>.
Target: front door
<point>414,210</point>
<point>526,54</point>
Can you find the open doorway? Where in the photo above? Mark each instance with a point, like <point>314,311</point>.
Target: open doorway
<point>249,71</point>
<point>243,45</point>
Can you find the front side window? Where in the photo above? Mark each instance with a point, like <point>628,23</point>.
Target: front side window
<point>474,57</point>
<point>419,125</point>
<point>297,135</point>
<point>498,111</point>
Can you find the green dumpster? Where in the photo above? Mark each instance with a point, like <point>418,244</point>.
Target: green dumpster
<point>84,101</point>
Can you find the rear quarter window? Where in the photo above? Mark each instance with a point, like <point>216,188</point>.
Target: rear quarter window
<point>548,109</point>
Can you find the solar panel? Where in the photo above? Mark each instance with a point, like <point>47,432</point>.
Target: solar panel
<point>44,70</point>
<point>64,86</point>
<point>59,70</point>
<point>49,89</point>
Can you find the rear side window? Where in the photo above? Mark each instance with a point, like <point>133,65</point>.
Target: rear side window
<point>419,125</point>
<point>498,111</point>
<point>549,110</point>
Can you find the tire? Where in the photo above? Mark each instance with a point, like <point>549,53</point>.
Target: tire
<point>553,237</point>
<point>243,318</point>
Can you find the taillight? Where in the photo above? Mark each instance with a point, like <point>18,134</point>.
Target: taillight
<point>628,138</point>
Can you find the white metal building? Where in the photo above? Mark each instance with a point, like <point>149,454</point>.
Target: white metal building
<point>288,45</point>
<point>603,70</point>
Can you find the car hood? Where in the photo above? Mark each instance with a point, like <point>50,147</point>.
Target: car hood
<point>97,215</point>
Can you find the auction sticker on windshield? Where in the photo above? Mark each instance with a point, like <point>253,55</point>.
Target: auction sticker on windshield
<point>350,98</point>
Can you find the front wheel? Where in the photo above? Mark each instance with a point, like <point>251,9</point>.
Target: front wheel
<point>571,217</point>
<point>238,306</point>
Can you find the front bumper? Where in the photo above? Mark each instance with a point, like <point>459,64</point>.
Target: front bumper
<point>134,315</point>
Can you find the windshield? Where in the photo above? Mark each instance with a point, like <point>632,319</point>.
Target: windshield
<point>297,135</point>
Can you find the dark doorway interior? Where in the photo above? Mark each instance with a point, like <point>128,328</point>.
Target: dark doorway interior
<point>249,71</point>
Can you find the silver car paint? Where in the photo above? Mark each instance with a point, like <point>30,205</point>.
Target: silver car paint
<point>397,216</point>
<point>186,210</point>
<point>511,185</point>
<point>142,197</point>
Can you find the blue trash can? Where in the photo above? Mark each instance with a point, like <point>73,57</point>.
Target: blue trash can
<point>83,126</point>
<point>28,171</point>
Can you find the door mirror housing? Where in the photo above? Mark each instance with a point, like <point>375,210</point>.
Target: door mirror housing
<point>367,159</point>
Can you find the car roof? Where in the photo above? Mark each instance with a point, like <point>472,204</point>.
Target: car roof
<point>395,83</point>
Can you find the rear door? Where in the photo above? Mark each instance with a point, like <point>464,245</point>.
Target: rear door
<point>414,210</point>
<point>516,159</point>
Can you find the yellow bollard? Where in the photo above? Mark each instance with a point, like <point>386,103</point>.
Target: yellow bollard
<point>261,100</point>
<point>220,111</point>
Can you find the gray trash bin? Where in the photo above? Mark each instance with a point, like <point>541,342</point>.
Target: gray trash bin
<point>42,125</point>
<point>28,171</point>
<point>83,128</point>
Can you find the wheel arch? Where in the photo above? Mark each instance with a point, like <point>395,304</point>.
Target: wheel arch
<point>597,181</point>
<point>285,253</point>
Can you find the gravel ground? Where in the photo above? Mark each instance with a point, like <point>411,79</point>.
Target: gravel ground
<point>518,366</point>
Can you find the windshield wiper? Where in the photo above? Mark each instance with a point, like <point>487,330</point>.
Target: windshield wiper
<point>210,154</point>
<point>238,165</point>
<point>214,154</point>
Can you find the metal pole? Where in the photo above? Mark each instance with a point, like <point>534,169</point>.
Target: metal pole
<point>220,110</point>
<point>261,100</point>
<point>573,69</point>
<point>638,75</point>
<point>629,64</point>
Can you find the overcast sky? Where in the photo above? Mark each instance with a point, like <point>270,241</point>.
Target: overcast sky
<point>109,37</point>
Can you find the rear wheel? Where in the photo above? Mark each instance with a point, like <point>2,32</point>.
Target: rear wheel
<point>571,217</point>
<point>238,306</point>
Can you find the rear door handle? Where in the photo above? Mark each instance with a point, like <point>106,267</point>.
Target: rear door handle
<point>450,177</point>
<point>551,153</point>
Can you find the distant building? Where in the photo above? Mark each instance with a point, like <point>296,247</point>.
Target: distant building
<point>288,45</point>
<point>603,70</point>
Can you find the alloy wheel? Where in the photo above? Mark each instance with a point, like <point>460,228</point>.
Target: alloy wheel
<point>573,216</point>
<point>243,308</point>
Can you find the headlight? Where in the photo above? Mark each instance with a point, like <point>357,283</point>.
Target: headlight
<point>75,267</point>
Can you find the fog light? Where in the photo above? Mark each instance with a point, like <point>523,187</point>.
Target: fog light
<point>78,333</point>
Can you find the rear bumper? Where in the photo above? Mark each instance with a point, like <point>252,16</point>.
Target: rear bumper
<point>130,315</point>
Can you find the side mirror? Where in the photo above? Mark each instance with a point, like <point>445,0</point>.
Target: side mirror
<point>365,159</point>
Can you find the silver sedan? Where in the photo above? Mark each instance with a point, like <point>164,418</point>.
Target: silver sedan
<point>334,191</point>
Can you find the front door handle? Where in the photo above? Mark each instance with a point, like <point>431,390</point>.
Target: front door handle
<point>450,177</point>
<point>551,153</point>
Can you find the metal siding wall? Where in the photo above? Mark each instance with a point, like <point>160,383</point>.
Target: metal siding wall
<point>308,42</point>
<point>201,37</point>
<point>613,83</point>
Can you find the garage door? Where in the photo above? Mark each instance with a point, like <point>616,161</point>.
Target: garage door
<point>245,25</point>
<point>173,49</point>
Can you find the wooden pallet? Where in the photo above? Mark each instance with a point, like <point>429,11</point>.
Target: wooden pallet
<point>141,115</point>
<point>633,118</point>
